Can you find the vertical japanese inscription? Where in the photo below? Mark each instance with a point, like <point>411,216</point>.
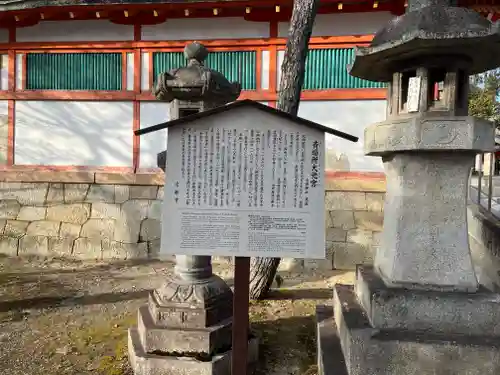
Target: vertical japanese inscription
<point>232,168</point>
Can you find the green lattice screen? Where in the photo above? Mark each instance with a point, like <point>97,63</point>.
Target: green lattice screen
<point>327,69</point>
<point>235,65</point>
<point>74,71</point>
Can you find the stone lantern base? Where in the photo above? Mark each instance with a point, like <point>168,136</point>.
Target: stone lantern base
<point>390,331</point>
<point>200,344</point>
<point>151,364</point>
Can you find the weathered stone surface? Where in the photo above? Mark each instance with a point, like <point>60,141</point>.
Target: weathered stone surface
<point>343,219</point>
<point>376,240</point>
<point>428,134</point>
<point>8,245</point>
<point>474,314</point>
<point>328,220</point>
<point>87,248</point>
<point>143,363</point>
<point>106,211</point>
<point>32,193</point>
<point>75,193</point>
<point>2,225</point>
<point>340,200</point>
<point>368,220</point>
<point>15,228</point>
<point>69,230</point>
<point>30,213</point>
<point>155,210</point>
<point>135,207</point>
<point>128,226</point>
<point>154,249</point>
<point>9,209</point>
<point>55,194</point>
<point>347,255</point>
<point>59,246</point>
<point>429,245</point>
<point>161,193</point>
<point>120,250</point>
<point>143,192</point>
<point>44,228</point>
<point>173,339</point>
<point>98,228</point>
<point>8,190</point>
<point>150,230</point>
<point>101,193</point>
<point>375,201</point>
<point>336,234</point>
<point>356,184</point>
<point>76,213</point>
<point>38,245</point>
<point>394,352</point>
<point>321,264</point>
<point>122,193</point>
<point>361,236</point>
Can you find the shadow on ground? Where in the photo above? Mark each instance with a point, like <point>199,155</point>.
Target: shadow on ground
<point>59,301</point>
<point>286,340</point>
<point>297,294</point>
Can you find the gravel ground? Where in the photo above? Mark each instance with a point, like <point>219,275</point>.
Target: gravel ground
<point>68,317</point>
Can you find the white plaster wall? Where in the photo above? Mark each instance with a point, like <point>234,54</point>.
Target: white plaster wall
<point>152,113</point>
<point>279,62</point>
<point>73,133</point>
<point>4,130</point>
<point>349,116</point>
<point>130,71</point>
<point>206,28</point>
<point>145,71</point>
<point>19,71</point>
<point>344,24</point>
<point>4,72</point>
<point>75,31</point>
<point>264,74</point>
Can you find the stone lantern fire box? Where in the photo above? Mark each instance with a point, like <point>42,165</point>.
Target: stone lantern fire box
<point>420,309</point>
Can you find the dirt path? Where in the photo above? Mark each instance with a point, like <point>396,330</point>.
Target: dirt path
<point>64,317</point>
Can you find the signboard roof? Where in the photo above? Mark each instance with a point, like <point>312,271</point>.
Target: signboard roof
<point>247,103</point>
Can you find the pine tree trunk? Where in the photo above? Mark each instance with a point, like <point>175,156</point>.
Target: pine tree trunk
<point>263,270</point>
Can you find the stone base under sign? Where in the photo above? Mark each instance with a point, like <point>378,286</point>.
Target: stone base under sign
<point>144,363</point>
<point>388,331</point>
<point>185,335</point>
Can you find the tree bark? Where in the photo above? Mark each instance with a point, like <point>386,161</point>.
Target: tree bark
<point>263,270</point>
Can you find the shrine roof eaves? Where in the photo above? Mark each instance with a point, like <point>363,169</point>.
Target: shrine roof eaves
<point>12,5</point>
<point>247,103</point>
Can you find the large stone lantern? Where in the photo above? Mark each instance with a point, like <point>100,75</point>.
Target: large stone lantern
<point>186,326</point>
<point>420,309</point>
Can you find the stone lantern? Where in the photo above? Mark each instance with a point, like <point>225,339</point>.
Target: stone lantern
<point>420,309</point>
<point>186,325</point>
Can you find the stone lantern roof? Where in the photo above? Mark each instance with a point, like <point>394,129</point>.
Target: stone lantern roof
<point>195,81</point>
<point>458,35</point>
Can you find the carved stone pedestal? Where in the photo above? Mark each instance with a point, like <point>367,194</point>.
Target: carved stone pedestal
<point>186,325</point>
<point>390,331</point>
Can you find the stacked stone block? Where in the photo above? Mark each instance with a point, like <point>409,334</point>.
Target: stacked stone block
<point>81,220</point>
<point>97,215</point>
<point>353,221</point>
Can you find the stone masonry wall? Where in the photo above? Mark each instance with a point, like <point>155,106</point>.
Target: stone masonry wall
<point>354,218</point>
<point>82,214</point>
<point>116,216</point>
